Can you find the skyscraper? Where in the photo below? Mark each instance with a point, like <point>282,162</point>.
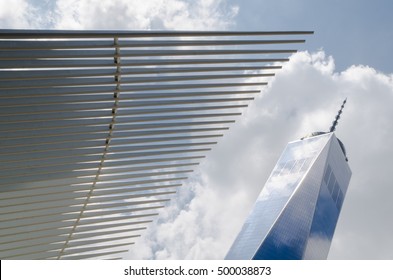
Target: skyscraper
<point>296,212</point>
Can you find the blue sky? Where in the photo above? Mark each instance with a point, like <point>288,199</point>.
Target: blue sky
<point>353,31</point>
<point>348,56</point>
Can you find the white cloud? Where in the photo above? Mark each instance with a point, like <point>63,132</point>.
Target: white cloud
<point>191,226</point>
<point>148,14</point>
<point>27,14</point>
<point>121,14</point>
<point>13,14</point>
<point>203,221</point>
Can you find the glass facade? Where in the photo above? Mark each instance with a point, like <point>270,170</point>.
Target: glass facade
<point>296,213</point>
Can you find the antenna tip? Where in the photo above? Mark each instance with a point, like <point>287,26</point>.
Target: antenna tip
<point>335,122</point>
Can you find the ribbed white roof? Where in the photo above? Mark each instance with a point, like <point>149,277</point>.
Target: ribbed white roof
<point>99,128</point>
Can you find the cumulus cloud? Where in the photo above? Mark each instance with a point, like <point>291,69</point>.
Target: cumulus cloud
<point>149,14</point>
<point>206,216</point>
<point>27,14</point>
<point>13,14</point>
<point>121,14</point>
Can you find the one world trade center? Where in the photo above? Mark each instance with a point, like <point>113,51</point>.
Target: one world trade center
<point>296,212</point>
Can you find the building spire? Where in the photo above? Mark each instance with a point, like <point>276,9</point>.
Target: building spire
<point>335,122</point>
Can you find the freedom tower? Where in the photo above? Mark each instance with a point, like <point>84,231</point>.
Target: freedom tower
<point>296,212</point>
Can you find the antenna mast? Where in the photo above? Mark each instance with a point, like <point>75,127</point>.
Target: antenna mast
<point>335,122</point>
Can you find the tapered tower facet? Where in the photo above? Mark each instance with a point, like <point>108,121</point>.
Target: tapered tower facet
<point>296,212</point>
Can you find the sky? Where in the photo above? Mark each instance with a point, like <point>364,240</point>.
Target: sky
<point>348,56</point>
